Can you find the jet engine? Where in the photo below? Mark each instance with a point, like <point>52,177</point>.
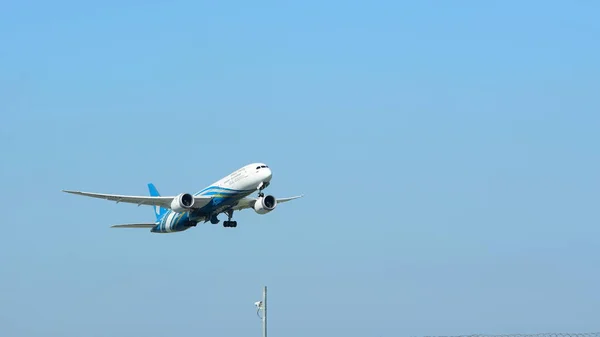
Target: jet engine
<point>264,205</point>
<point>182,202</point>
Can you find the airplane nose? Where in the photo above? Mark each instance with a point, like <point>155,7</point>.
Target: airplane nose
<point>268,175</point>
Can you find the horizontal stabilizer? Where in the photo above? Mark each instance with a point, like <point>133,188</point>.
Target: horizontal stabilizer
<point>135,225</point>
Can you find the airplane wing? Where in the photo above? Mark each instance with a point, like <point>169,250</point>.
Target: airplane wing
<point>161,201</point>
<point>282,200</point>
<point>249,202</point>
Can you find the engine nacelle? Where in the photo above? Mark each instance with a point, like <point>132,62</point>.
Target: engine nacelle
<point>264,205</point>
<point>182,203</point>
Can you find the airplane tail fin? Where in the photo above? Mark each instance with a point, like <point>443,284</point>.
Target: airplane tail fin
<point>158,211</point>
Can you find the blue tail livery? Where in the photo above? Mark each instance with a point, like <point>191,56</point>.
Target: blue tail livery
<point>158,210</point>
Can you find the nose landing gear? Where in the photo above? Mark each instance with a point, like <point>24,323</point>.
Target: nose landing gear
<point>261,187</point>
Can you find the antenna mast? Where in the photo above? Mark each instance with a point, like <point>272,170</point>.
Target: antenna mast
<point>262,306</point>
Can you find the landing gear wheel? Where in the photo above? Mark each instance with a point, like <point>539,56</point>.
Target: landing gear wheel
<point>229,223</point>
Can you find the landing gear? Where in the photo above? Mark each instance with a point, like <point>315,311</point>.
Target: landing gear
<point>214,220</point>
<point>229,223</point>
<point>261,187</point>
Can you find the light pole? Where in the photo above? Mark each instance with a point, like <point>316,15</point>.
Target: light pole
<point>262,306</point>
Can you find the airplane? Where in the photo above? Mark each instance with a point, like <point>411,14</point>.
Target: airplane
<point>181,212</point>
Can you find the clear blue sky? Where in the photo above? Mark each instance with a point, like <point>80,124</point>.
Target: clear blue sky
<point>448,152</point>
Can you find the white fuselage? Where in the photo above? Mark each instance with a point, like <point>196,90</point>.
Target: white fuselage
<point>224,192</point>
<point>248,177</point>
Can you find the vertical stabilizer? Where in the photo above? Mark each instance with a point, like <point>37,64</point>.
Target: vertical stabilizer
<point>158,211</point>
